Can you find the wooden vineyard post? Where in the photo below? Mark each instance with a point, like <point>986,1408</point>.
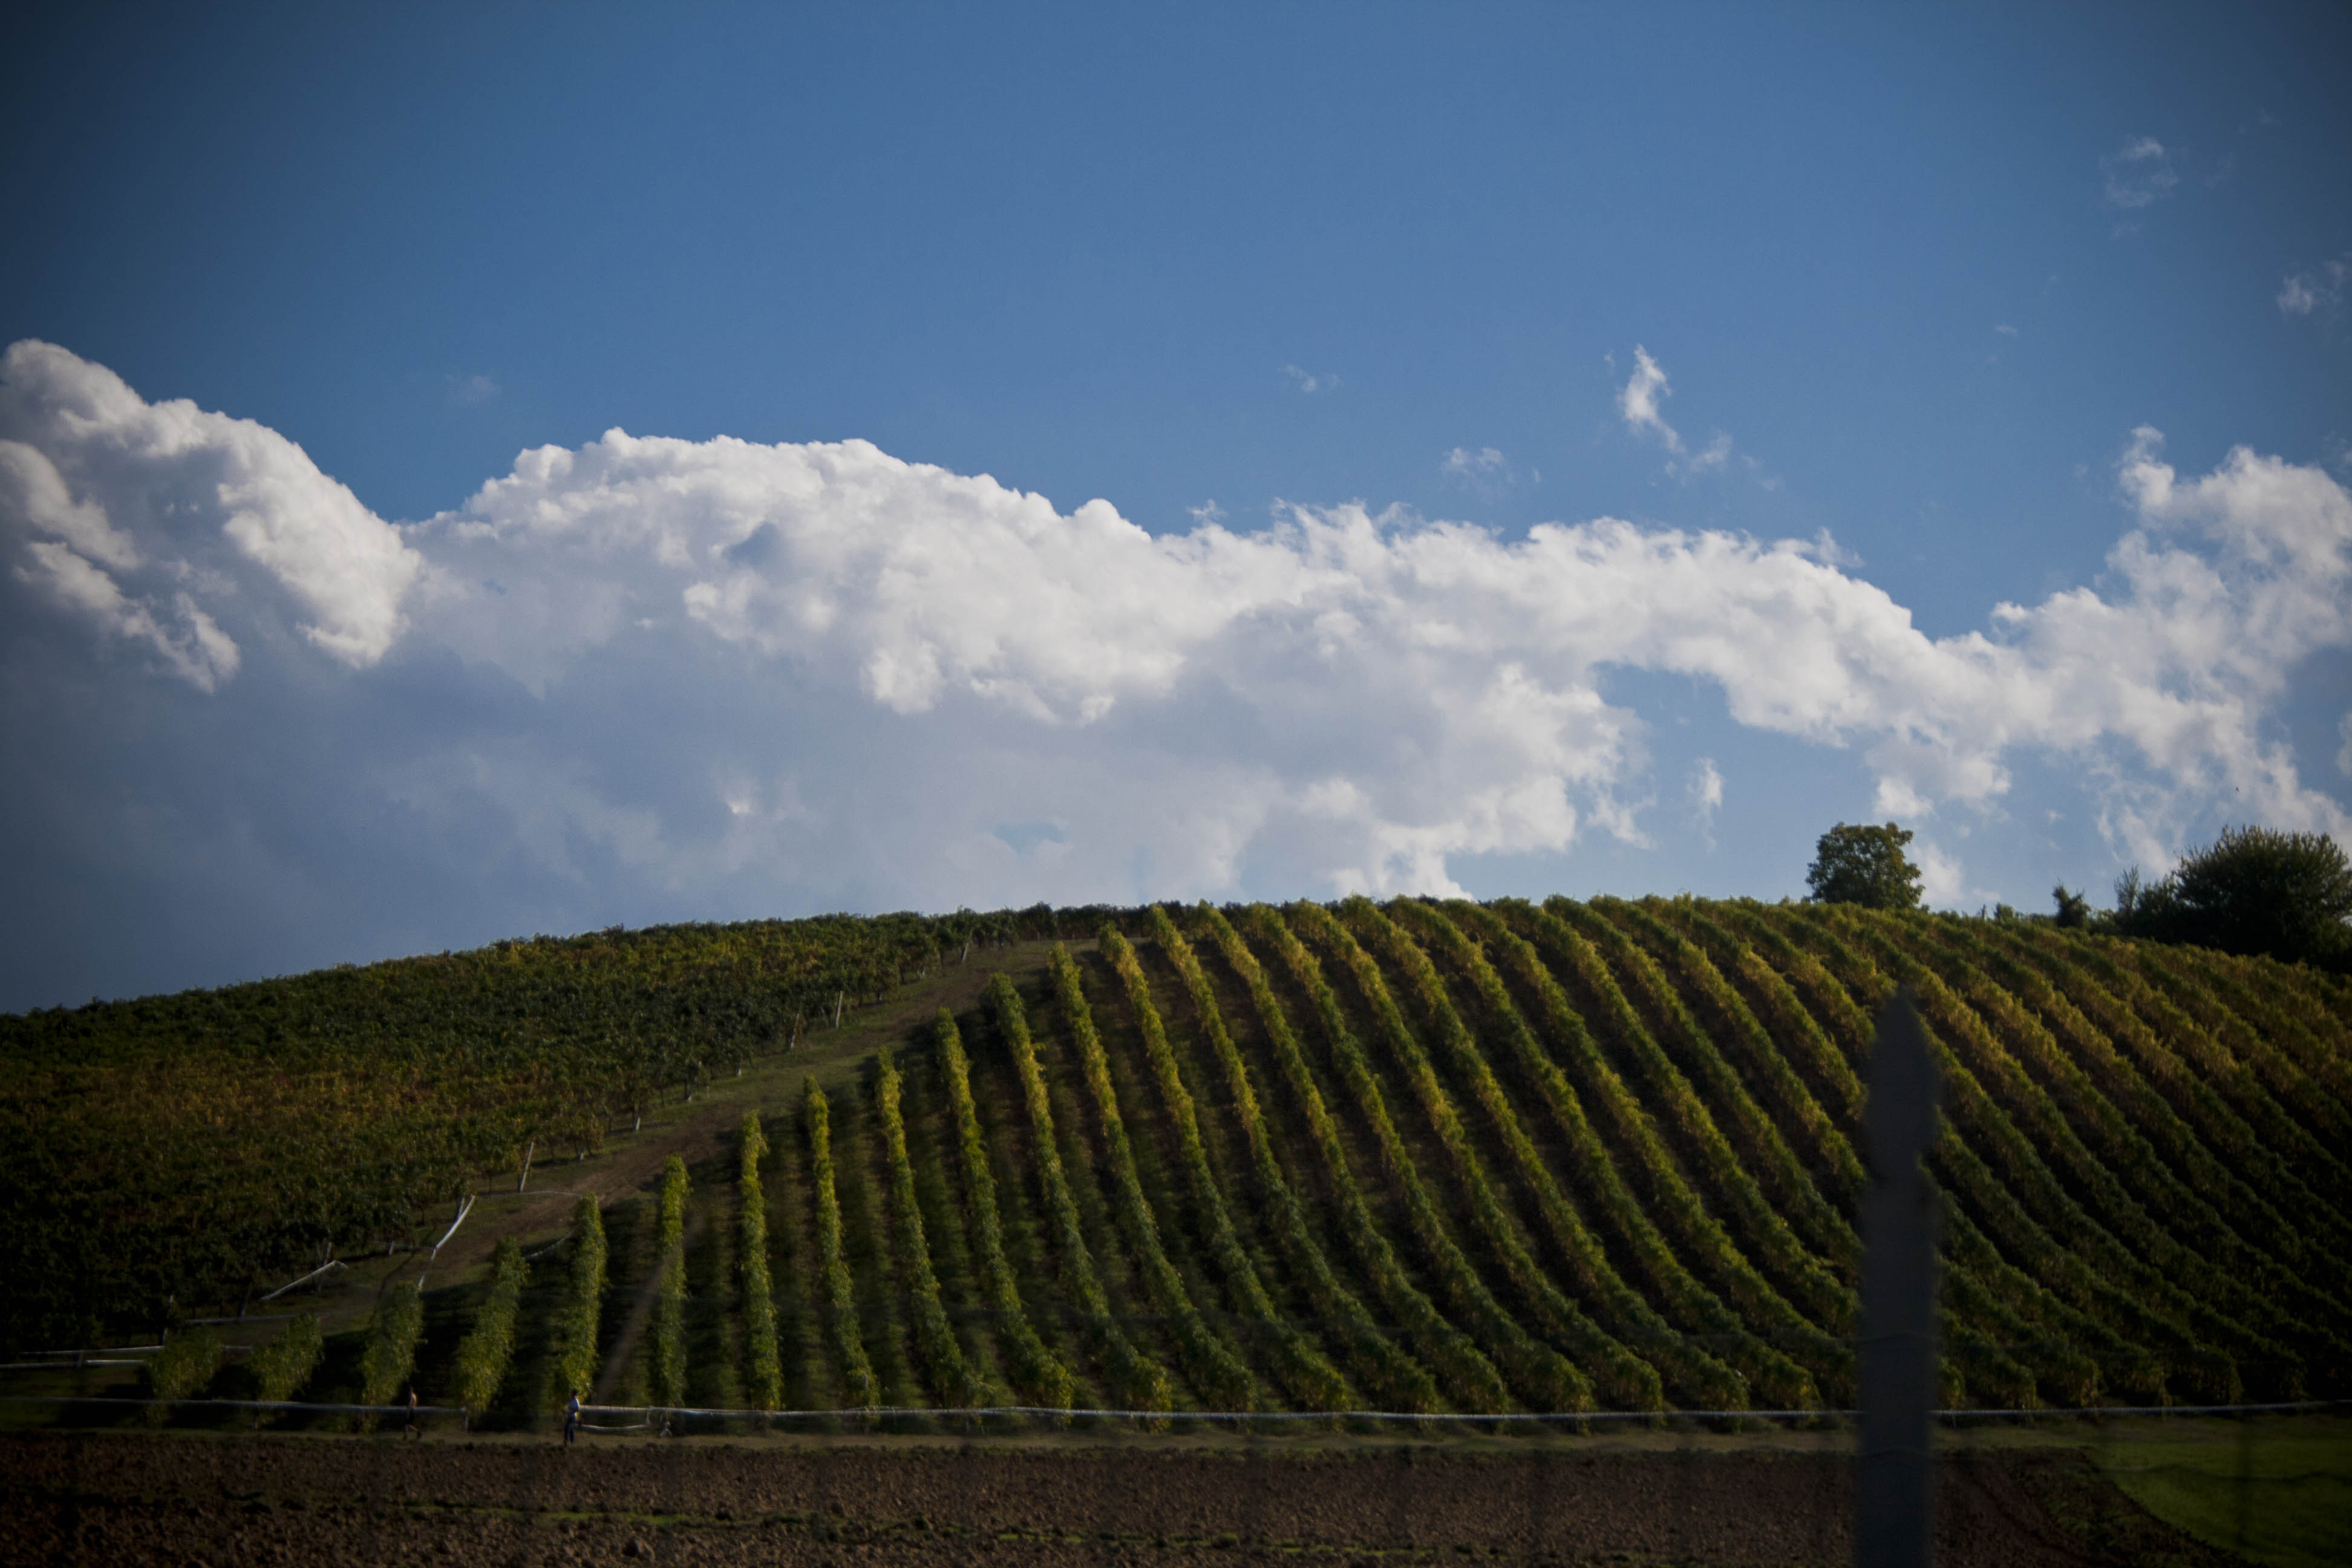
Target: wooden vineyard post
<point>1894,1483</point>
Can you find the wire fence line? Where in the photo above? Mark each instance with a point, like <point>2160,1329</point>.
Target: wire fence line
<point>1150,1417</point>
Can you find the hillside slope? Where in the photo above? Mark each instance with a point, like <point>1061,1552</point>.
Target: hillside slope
<point>1409,1156</point>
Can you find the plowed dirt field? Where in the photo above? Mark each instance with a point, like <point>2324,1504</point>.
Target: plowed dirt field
<point>182,1499</point>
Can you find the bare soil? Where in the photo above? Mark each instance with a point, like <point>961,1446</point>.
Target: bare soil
<point>187,1499</point>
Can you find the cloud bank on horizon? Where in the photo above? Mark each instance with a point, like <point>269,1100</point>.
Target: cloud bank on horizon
<point>823,669</point>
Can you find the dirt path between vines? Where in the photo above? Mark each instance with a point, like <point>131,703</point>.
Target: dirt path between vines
<point>183,1499</point>
<point>632,1162</point>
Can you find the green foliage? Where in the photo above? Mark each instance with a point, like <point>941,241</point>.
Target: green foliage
<point>2033,1215</point>
<point>1858,864</point>
<point>489,1345</point>
<point>389,1353</point>
<point>1705,1380</point>
<point>574,1329</point>
<point>763,1370</point>
<point>2073,908</point>
<point>1731,1171</point>
<point>174,1145</point>
<point>1596,1152</point>
<point>1215,1371</point>
<point>1991,1031</point>
<point>669,1300</point>
<point>2287,896</point>
<point>934,1339</point>
<point>1745,1071</point>
<point>2201,1132</point>
<point>2112,1160</point>
<point>858,1382</point>
<point>1311,1378</point>
<point>1036,1372</point>
<point>1139,1382</point>
<point>282,1366</point>
<point>1546,1378</point>
<point>185,1363</point>
<point>1462,1362</point>
<point>1399,1381</point>
<point>1769,1370</point>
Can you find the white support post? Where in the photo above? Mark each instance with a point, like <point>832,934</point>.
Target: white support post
<point>323,1267</point>
<point>465,1207</point>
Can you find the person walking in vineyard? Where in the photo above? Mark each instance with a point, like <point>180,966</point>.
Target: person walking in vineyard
<point>412,1431</point>
<point>572,1418</point>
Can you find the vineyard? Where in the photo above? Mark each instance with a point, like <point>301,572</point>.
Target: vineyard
<point>169,1153</point>
<point>1420,1157</point>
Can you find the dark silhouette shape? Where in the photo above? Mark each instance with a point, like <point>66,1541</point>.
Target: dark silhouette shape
<point>2253,890</point>
<point>1894,1483</point>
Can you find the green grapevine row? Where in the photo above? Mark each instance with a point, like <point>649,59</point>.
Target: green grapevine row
<point>935,1338</point>
<point>858,1387</point>
<point>1140,1381</point>
<point>763,1370</point>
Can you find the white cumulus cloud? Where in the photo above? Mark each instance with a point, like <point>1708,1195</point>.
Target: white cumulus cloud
<point>148,519</point>
<point>817,674</point>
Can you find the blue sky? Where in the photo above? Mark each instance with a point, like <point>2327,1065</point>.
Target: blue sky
<point>1290,291</point>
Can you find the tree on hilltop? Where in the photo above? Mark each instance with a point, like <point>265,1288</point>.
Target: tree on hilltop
<point>2252,891</point>
<point>1858,864</point>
